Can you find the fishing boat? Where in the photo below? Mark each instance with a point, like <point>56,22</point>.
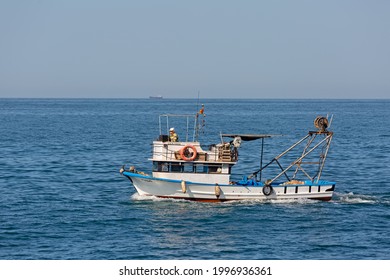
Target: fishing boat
<point>156,97</point>
<point>186,170</point>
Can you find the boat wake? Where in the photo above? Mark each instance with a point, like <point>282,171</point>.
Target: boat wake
<point>339,198</point>
<point>351,198</point>
<point>296,201</point>
<point>137,197</point>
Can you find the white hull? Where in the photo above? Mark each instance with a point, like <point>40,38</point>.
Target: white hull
<point>150,186</point>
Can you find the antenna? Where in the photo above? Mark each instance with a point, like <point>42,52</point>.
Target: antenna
<point>197,119</point>
<point>197,103</point>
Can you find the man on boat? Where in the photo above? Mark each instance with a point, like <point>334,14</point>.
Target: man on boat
<point>172,135</point>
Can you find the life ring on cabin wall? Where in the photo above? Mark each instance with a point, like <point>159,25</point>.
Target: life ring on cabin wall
<point>186,154</point>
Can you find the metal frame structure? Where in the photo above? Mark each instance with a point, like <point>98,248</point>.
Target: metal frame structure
<point>312,144</point>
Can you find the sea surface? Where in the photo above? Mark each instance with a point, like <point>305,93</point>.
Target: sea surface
<point>62,196</point>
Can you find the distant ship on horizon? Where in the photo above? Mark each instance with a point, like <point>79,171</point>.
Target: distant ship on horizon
<point>156,97</point>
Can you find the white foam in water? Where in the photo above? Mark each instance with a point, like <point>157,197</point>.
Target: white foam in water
<point>296,201</point>
<point>356,198</point>
<point>350,198</point>
<point>138,197</point>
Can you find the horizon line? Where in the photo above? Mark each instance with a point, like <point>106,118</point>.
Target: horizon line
<point>209,98</point>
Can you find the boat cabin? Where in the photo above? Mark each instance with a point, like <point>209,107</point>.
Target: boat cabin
<point>187,160</point>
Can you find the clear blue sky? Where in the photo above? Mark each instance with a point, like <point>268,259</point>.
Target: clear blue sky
<point>233,49</point>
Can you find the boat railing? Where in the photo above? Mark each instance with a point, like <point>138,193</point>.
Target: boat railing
<point>172,151</point>
<point>165,124</point>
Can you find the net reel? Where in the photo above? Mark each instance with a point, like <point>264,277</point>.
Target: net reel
<point>321,123</point>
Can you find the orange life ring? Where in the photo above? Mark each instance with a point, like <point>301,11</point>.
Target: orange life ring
<point>185,151</point>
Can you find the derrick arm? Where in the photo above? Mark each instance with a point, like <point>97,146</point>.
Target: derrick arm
<point>312,144</point>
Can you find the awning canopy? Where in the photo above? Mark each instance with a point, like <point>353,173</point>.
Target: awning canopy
<point>249,137</point>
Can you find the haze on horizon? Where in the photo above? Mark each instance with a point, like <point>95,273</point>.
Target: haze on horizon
<point>222,49</point>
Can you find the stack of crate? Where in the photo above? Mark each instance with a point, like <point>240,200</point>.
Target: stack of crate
<point>224,153</point>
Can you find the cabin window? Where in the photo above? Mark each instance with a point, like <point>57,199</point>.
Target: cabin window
<point>188,168</point>
<point>176,167</point>
<point>200,168</point>
<point>160,167</point>
<point>164,167</point>
<point>214,169</point>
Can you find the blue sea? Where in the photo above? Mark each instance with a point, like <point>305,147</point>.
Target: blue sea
<point>62,196</point>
